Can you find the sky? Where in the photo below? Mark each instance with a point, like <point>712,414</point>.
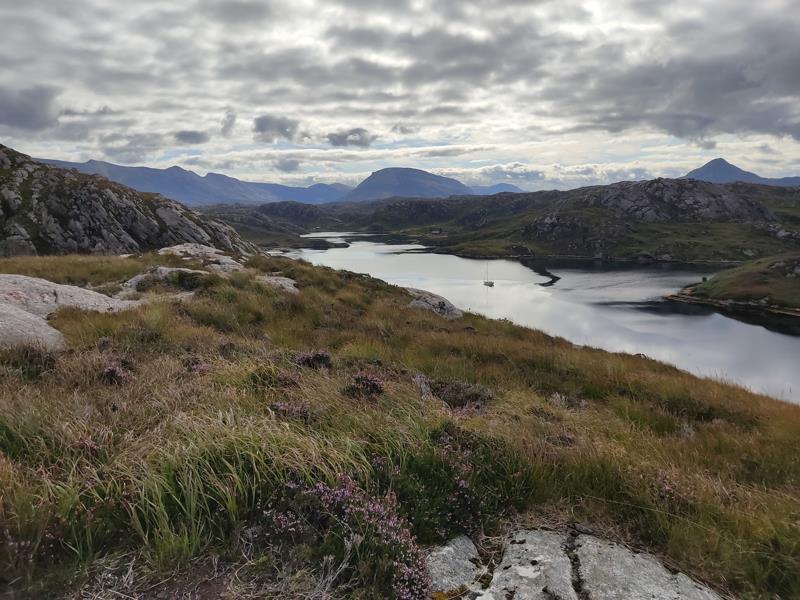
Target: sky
<point>541,93</point>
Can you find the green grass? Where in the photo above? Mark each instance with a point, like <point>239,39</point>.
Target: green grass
<point>174,463</point>
<point>772,278</point>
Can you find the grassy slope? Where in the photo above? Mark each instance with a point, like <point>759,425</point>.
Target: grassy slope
<point>172,462</point>
<point>773,278</point>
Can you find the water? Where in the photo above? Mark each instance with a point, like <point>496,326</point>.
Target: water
<point>619,310</point>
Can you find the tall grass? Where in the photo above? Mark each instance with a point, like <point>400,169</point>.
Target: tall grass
<point>173,462</point>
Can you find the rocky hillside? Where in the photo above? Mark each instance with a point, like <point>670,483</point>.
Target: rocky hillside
<point>666,219</point>
<point>49,210</point>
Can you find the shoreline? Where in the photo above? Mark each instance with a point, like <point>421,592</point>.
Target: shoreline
<point>752,308</point>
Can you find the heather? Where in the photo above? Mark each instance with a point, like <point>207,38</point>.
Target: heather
<point>321,441</point>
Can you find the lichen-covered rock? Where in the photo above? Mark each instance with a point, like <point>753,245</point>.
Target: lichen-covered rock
<point>21,328</point>
<point>212,258</point>
<point>609,571</point>
<point>535,566</point>
<point>454,566</point>
<point>428,301</point>
<point>548,565</point>
<point>50,210</point>
<point>284,284</point>
<point>41,297</point>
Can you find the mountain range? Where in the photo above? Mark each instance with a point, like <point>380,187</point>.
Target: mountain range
<point>214,188</point>
<point>720,170</point>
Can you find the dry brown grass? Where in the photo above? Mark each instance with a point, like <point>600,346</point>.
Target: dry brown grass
<point>170,464</point>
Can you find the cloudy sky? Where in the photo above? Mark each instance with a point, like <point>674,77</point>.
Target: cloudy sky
<point>542,93</point>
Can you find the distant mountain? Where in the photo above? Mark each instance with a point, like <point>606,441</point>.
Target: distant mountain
<point>720,170</point>
<point>407,183</point>
<point>49,210</point>
<point>498,188</point>
<point>190,188</point>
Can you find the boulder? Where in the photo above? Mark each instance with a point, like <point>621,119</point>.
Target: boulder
<point>157,274</point>
<point>284,284</point>
<point>212,258</point>
<point>454,566</point>
<point>428,301</point>
<point>41,297</point>
<point>21,328</point>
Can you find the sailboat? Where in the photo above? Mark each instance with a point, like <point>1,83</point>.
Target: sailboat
<point>488,282</point>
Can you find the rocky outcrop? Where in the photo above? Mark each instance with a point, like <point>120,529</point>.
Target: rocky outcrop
<point>283,284</point>
<point>49,210</point>
<point>41,297</point>
<point>21,328</point>
<point>454,565</point>
<point>428,301</point>
<point>547,565</point>
<point>160,275</point>
<point>212,258</point>
<point>674,201</point>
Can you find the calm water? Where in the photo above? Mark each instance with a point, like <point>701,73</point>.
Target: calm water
<point>618,310</point>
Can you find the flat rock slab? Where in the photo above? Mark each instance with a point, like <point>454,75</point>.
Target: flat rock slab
<point>41,297</point>
<point>284,284</point>
<point>535,566</point>
<point>213,258</point>
<point>435,303</point>
<point>610,571</point>
<point>548,565</point>
<point>21,328</point>
<point>454,566</point>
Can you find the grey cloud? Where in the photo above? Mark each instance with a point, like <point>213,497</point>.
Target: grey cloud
<point>228,123</point>
<point>32,108</point>
<point>287,165</point>
<point>237,12</point>
<point>352,137</point>
<point>269,128</point>
<point>133,148</point>
<point>189,136</point>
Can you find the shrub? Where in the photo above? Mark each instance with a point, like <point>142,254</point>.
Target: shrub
<point>364,385</point>
<point>314,359</point>
<point>333,520</point>
<point>460,394</point>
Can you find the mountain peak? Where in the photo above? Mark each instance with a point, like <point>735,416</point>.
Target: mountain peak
<point>406,182</point>
<point>720,170</point>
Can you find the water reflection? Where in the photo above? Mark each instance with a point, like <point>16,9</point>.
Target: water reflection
<point>617,310</point>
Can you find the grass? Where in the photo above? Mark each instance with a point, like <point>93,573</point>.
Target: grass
<point>772,278</point>
<point>216,440</point>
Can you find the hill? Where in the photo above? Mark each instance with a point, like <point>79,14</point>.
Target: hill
<point>769,284</point>
<point>721,171</point>
<point>663,219</point>
<point>399,182</point>
<point>192,189</point>
<point>50,210</point>
<point>200,444</point>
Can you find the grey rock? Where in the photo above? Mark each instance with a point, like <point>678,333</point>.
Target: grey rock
<point>41,297</point>
<point>156,274</point>
<point>428,301</point>
<point>50,210</point>
<point>212,258</point>
<point>454,566</point>
<point>284,284</point>
<point>535,566</point>
<point>19,327</point>
<point>610,571</point>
